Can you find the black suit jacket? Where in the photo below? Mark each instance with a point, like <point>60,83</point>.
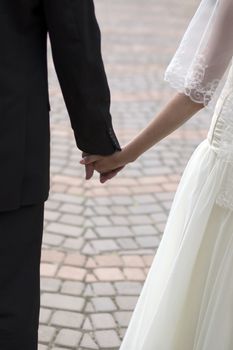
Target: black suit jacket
<point>24,101</point>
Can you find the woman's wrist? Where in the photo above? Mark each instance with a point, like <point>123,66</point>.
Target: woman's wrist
<point>128,154</point>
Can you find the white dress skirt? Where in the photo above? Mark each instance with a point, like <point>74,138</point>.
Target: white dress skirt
<point>186,302</point>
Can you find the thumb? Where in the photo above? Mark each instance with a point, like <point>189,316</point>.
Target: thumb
<point>89,171</point>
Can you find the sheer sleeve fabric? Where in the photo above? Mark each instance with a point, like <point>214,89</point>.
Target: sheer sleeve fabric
<point>201,63</point>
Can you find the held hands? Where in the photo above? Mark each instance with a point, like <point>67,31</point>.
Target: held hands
<point>107,166</point>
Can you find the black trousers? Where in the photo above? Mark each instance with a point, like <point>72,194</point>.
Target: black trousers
<point>21,233</point>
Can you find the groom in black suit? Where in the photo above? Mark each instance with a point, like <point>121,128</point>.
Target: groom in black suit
<point>25,137</point>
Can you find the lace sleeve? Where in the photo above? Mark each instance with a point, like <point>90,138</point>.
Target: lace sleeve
<point>201,63</point>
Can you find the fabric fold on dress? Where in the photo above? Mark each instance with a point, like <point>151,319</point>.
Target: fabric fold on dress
<point>180,306</point>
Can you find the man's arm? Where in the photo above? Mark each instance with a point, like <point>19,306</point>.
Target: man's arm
<point>76,49</point>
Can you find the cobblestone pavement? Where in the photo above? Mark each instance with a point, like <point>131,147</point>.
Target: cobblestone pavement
<point>100,239</point>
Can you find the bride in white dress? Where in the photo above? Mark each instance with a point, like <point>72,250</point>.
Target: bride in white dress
<point>186,302</point>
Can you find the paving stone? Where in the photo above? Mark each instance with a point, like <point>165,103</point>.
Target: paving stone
<point>119,209</point>
<point>161,227</point>
<point>75,259</point>
<point>139,219</point>
<point>90,202</point>
<point>46,333</point>
<point>88,212</point>
<point>165,196</point>
<point>45,315</point>
<point>103,288</point>
<point>101,221</point>
<point>52,239</point>
<point>49,284</point>
<point>103,210</point>
<point>120,220</point>
<point>72,243</point>
<point>103,201</point>
<point>148,241</point>
<point>63,302</point>
<point>148,259</point>
<point>88,291</point>
<point>90,234</point>
<point>107,339</point>
<point>67,319</point>
<point>126,302</point>
<point>42,347</point>
<point>144,230</point>
<point>90,263</point>
<point>104,245</point>
<point>159,217</point>
<point>134,274</point>
<point>71,208</point>
<point>89,308</point>
<point>114,232</point>
<point>72,273</point>
<point>51,215</point>
<point>88,249</point>
<point>144,198</point>
<point>127,243</point>
<point>65,230</point>
<point>68,337</point>
<point>52,256</point>
<point>144,209</point>
<point>108,274</point>
<point>74,288</point>
<point>103,304</point>
<point>103,321</point>
<point>48,270</point>
<point>88,342</point>
<point>128,288</point>
<point>123,317</point>
<point>67,198</point>
<point>122,200</point>
<point>72,219</point>
<point>111,260</point>
<point>51,204</point>
<point>133,261</point>
<point>88,223</point>
<point>90,278</point>
<point>87,326</point>
<point>121,332</point>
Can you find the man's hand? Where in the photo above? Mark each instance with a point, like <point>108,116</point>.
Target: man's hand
<point>89,168</point>
<point>104,176</point>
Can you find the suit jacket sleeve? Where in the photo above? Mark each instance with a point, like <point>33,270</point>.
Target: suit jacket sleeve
<point>76,49</point>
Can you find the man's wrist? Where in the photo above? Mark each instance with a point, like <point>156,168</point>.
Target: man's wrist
<point>85,154</point>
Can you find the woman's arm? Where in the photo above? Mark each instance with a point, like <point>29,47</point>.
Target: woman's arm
<point>178,110</point>
<point>197,69</point>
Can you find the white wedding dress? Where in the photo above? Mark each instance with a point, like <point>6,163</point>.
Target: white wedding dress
<point>186,302</point>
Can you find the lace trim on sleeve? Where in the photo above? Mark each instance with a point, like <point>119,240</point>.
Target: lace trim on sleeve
<point>191,83</point>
